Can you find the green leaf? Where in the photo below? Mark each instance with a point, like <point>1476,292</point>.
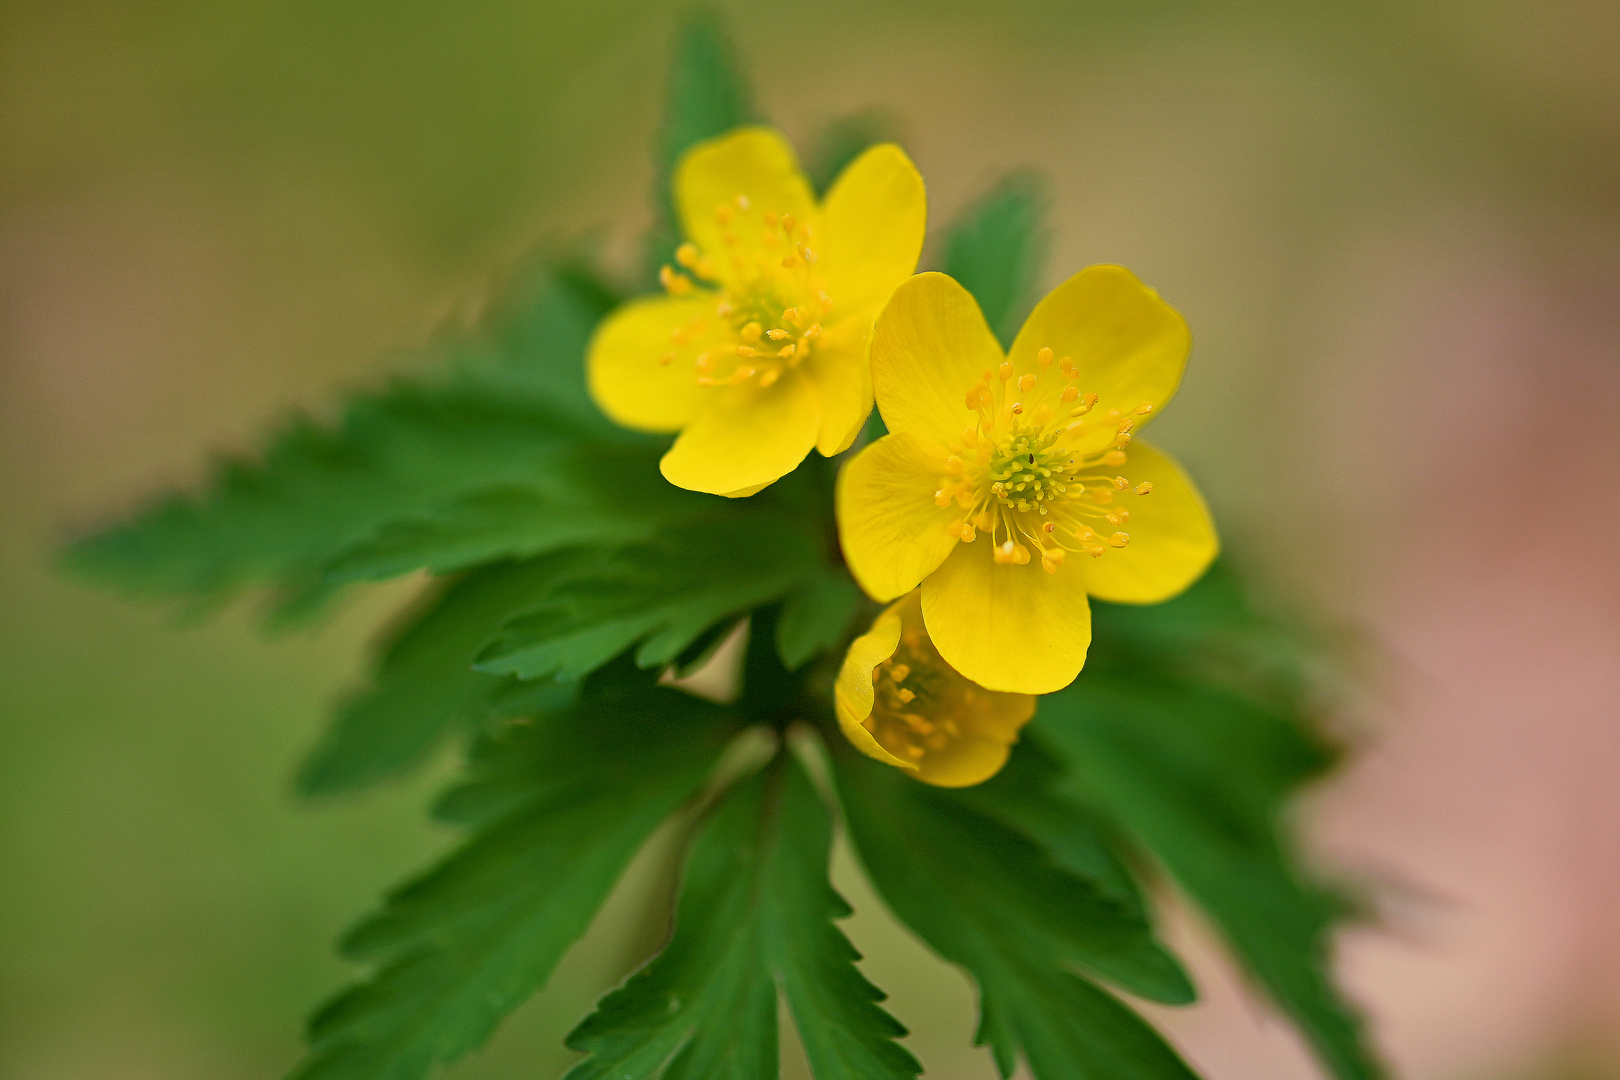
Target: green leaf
<point>995,250</point>
<point>597,494</point>
<point>566,803</point>
<point>660,595</point>
<point>816,617</point>
<point>400,454</point>
<point>425,686</point>
<point>988,898</point>
<point>707,96</point>
<point>755,918</point>
<point>1198,770</point>
<point>843,140</point>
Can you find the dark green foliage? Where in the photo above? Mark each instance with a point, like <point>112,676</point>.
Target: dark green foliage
<point>843,140</point>
<point>995,250</point>
<point>659,596</point>
<point>1175,734</point>
<point>816,617</point>
<point>425,685</point>
<point>317,492</point>
<point>755,919</point>
<point>561,806</point>
<point>707,96</point>
<point>988,898</point>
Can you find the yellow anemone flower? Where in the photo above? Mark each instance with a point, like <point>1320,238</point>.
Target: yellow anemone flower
<point>759,349</point>
<point>1011,486</point>
<point>900,702</point>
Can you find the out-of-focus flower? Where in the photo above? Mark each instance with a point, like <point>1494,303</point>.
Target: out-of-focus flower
<point>900,702</point>
<point>1035,450</point>
<point>758,352</point>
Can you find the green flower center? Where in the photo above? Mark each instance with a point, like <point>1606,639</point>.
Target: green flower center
<point>769,303</point>
<point>1021,477</point>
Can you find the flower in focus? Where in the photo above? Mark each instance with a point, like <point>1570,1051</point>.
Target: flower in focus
<point>1011,486</point>
<point>758,352</point>
<point>900,702</point>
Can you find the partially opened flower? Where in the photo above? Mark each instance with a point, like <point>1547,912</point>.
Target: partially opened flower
<point>758,352</point>
<point>1012,486</point>
<point>900,702</point>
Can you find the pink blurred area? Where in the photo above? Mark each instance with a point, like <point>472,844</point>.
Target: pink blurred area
<point>1396,243</point>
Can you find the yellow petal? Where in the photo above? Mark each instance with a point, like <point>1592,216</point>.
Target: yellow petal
<point>1129,345</point>
<point>873,220</point>
<point>853,694</point>
<point>930,346</point>
<point>624,368</point>
<point>751,172</point>
<point>1012,628</point>
<point>892,532</point>
<point>1172,539</point>
<point>925,715</point>
<point>745,438</point>
<point>843,378</point>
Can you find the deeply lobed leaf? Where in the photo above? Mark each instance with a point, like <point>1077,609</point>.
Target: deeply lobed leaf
<point>988,898</point>
<point>1179,737</point>
<point>755,920</point>
<point>562,805</point>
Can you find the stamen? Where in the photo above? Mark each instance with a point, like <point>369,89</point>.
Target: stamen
<point>776,334</point>
<point>1120,483</point>
<point>1025,382</point>
<point>1144,488</point>
<point>1120,539</point>
<point>1006,370</point>
<point>1044,357</point>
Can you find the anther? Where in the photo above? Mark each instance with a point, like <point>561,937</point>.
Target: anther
<point>687,255</point>
<point>751,332</point>
<point>770,219</point>
<point>898,672</point>
<point>1069,393</point>
<point>1120,483</point>
<point>769,378</point>
<point>826,301</point>
<point>970,437</point>
<point>1018,408</point>
<point>966,533</point>
<point>806,254</point>
<point>1051,559</point>
<point>1120,539</point>
<point>787,223</point>
<point>790,315</point>
<point>1144,488</point>
<point>1144,408</point>
<point>675,284</point>
<point>953,464</point>
<point>1025,382</point>
<point>1044,357</point>
<point>906,695</point>
<point>1114,457</point>
<point>787,350</point>
<point>1089,401</point>
<point>776,333</point>
<point>1049,528</point>
<point>789,263</point>
<point>1085,534</point>
<point>1006,370</point>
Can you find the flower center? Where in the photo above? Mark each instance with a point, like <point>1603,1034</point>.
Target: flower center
<point>769,303</point>
<point>1021,474</point>
<point>917,699</point>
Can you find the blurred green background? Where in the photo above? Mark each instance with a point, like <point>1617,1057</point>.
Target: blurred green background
<point>1392,227</point>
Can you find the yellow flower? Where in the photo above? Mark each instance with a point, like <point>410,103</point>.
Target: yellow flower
<point>1012,486</point>
<point>900,702</point>
<point>759,350</point>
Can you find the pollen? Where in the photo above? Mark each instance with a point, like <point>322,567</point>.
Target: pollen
<point>767,300</point>
<point>1021,477</point>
